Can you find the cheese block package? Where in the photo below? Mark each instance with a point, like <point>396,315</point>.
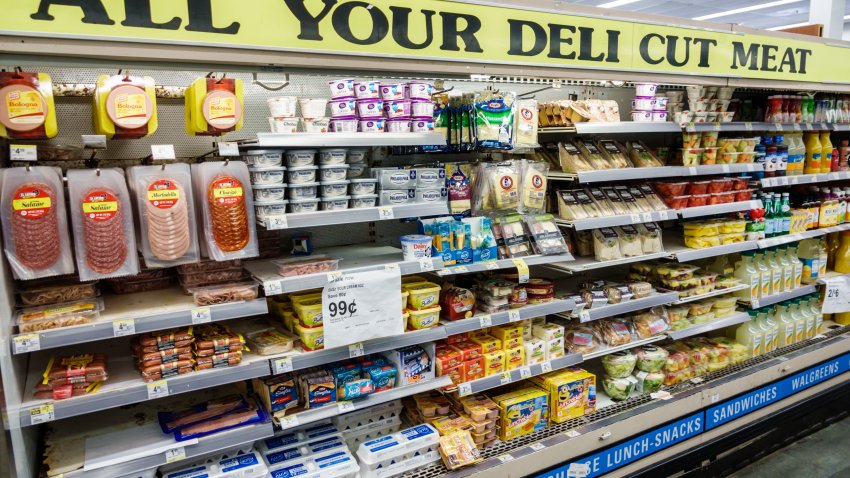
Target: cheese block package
<point>102,219</point>
<point>227,208</point>
<point>124,107</point>
<point>496,187</point>
<point>36,242</point>
<point>168,231</point>
<point>213,106</point>
<point>26,108</point>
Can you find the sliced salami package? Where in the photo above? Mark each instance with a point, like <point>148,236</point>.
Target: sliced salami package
<point>226,205</point>
<point>36,240</point>
<point>165,208</point>
<point>102,217</point>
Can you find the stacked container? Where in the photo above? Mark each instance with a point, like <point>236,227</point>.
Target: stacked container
<point>707,105</point>
<point>268,181</point>
<point>646,107</point>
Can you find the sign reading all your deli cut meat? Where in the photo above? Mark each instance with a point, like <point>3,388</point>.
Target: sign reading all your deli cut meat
<point>358,306</point>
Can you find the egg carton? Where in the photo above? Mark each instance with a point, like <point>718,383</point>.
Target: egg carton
<point>338,463</point>
<point>397,447</point>
<point>297,435</point>
<point>390,426</point>
<point>363,417</point>
<point>304,449</point>
<point>399,467</point>
<point>233,464</point>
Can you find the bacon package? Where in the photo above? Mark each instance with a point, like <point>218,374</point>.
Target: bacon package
<point>26,108</point>
<point>167,228</point>
<point>103,223</point>
<point>227,207</point>
<point>124,107</point>
<point>213,106</point>
<point>36,242</point>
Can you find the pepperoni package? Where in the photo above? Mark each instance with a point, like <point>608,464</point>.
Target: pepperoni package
<point>103,223</point>
<point>36,240</point>
<point>226,204</point>
<point>167,231</point>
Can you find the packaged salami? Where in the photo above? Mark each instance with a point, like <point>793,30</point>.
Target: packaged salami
<point>102,216</point>
<point>36,239</point>
<point>167,229</point>
<point>227,208</point>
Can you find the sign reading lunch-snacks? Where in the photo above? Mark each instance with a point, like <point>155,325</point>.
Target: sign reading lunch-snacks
<point>432,29</point>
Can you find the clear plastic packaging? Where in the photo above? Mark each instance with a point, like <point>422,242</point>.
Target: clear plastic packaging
<point>36,239</point>
<point>651,322</point>
<point>606,244</point>
<point>650,358</point>
<point>494,119</point>
<point>615,332</point>
<point>650,238</point>
<point>532,191</point>
<point>630,243</point>
<point>220,294</point>
<point>56,290</point>
<point>517,243</point>
<point>227,210</point>
<point>33,319</point>
<point>616,153</point>
<point>618,388</point>
<point>547,238</point>
<point>619,364</point>
<point>298,266</point>
<point>594,155</point>
<point>102,216</point>
<point>572,160</point>
<point>496,186</point>
<point>581,339</point>
<point>641,156</point>
<point>648,382</point>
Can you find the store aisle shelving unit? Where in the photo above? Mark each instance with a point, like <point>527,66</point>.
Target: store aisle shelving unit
<point>629,174</point>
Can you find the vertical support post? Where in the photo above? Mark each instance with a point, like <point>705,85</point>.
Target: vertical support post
<point>830,14</point>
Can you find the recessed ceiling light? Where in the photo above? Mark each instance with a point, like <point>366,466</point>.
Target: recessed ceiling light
<point>793,25</point>
<point>746,9</point>
<point>617,3</point>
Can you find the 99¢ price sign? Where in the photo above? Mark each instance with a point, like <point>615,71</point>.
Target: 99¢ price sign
<point>358,306</point>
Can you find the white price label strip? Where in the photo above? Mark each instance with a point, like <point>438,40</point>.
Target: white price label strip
<point>282,365</point>
<point>572,434</point>
<point>42,414</point>
<point>356,350</point>
<point>175,454</point>
<point>274,287</point>
<point>537,446</point>
<point>385,213</point>
<point>525,372</point>
<point>274,223</point>
<point>426,265</point>
<point>464,389</point>
<point>120,328</point>
<point>546,366</point>
<point>23,152</point>
<point>578,470</point>
<point>662,395</point>
<point>505,378</point>
<point>26,343</point>
<point>345,406</point>
<point>162,152</point>
<point>228,149</point>
<point>505,458</point>
<point>290,421</point>
<point>157,389</point>
<point>485,321</point>
<point>201,315</point>
<point>513,316</point>
<point>94,141</point>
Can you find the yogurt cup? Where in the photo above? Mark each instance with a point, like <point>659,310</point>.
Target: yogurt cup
<point>659,116</point>
<point>283,125</point>
<point>357,170</point>
<point>372,125</point>
<point>397,109</point>
<point>332,156</point>
<point>270,175</point>
<point>303,205</point>
<point>431,195</point>
<point>700,117</point>
<point>419,90</point>
<point>359,187</point>
<point>300,157</point>
<point>345,108</point>
<point>313,107</point>
<point>415,246</point>
<point>301,175</point>
<point>394,91</point>
<point>645,89</point>
<point>361,201</point>
<point>282,106</point>
<point>394,198</point>
<point>269,192</point>
<point>422,125</point>
<point>357,155</point>
<point>270,208</point>
<point>333,189</point>
<point>370,108</point>
<point>333,172</point>
<point>367,89</point>
<point>698,105</point>
<point>641,115</point>
<point>430,177</point>
<point>342,88</point>
<point>335,204</point>
<point>263,157</point>
<point>317,125</point>
<point>676,96</point>
<point>344,125</point>
<point>399,126</point>
<point>422,109</point>
<point>302,191</point>
<point>644,103</point>
<point>661,102</point>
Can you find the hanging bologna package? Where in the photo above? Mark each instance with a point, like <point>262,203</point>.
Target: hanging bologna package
<point>26,106</point>
<point>213,106</point>
<point>124,107</point>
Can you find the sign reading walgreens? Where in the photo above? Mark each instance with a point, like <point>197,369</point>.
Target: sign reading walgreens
<point>434,29</point>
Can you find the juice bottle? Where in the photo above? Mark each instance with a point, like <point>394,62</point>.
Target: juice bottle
<point>765,274</point>
<point>781,254</point>
<point>809,317</point>
<point>842,318</point>
<point>809,254</point>
<point>773,326</point>
<point>776,283</point>
<point>769,222</point>
<point>785,208</point>
<point>787,326</point>
<point>823,257</point>
<point>842,254</point>
<point>795,261</point>
<point>826,152</point>
<point>796,154</point>
<point>799,321</point>
<point>751,335</point>
<point>766,329</point>
<point>747,273</point>
<point>813,303</point>
<point>813,153</point>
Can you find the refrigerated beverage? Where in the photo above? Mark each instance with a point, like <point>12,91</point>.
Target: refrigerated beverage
<point>809,254</point>
<point>787,326</point>
<point>826,152</point>
<point>813,153</point>
<point>750,335</point>
<point>799,321</point>
<point>794,259</point>
<point>766,275</point>
<point>747,273</point>
<point>776,283</point>
<point>781,255</point>
<point>765,329</point>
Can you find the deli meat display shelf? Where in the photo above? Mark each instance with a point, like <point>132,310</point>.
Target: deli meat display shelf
<point>350,216</point>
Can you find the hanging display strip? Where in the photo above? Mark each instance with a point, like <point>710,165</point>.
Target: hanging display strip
<point>627,174</point>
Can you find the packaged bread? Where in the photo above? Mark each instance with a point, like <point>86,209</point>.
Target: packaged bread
<point>641,156</point>
<point>594,155</point>
<point>571,159</point>
<point>617,155</point>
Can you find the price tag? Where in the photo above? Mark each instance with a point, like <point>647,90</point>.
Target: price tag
<point>356,350</point>
<point>505,378</point>
<point>460,269</point>
<point>491,265</point>
<point>556,84</point>
<point>354,310</point>
<point>824,126</point>
<point>274,223</point>
<point>385,213</point>
<point>572,434</point>
<point>201,315</point>
<point>525,372</point>
<point>282,365</point>
<point>175,454</point>
<point>584,316</point>
<point>336,275</point>
<point>120,328</point>
<point>345,406</point>
<point>646,217</point>
<point>157,389</point>
<point>634,218</point>
<point>696,380</point>
<point>445,272</point>
<point>692,171</point>
<point>836,298</point>
<point>26,343</point>
<point>833,176</point>
<point>777,126</point>
<point>161,152</point>
<point>42,414</point>
<point>714,397</point>
<point>754,303</point>
<point>274,287</point>
<point>290,421</point>
<point>228,149</point>
<point>522,270</point>
<point>662,395</point>
<point>748,126</point>
<point>464,389</point>
<point>808,126</point>
<point>691,127</point>
<point>94,141</point>
<point>23,152</point>
<point>716,126</point>
<point>485,321</point>
<point>505,458</point>
<point>795,180</point>
<point>796,127</point>
<point>513,316</point>
<point>426,265</point>
<point>546,366</point>
<point>578,470</point>
<point>537,446</point>
<point>725,168</point>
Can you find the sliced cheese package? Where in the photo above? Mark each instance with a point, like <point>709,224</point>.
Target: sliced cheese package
<point>124,107</point>
<point>213,106</point>
<point>26,108</point>
<point>525,133</point>
<point>532,188</point>
<point>496,187</point>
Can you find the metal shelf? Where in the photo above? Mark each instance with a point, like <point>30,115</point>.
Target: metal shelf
<point>149,311</point>
<point>683,253</point>
<point>517,374</point>
<point>840,127</point>
<point>713,209</point>
<point>329,411</point>
<point>589,263</point>
<point>626,174</point>
<point>788,238</point>
<point>503,264</point>
<point>619,220</point>
<point>663,298</point>
<point>481,321</point>
<point>331,140</point>
<point>781,297</point>
<point>357,258</point>
<point>734,319</point>
<point>630,345</point>
<point>804,179</point>
<point>628,127</point>
<point>759,126</point>
<point>713,293</point>
<point>350,216</point>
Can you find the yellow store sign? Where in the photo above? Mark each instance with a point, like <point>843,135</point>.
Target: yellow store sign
<point>430,29</point>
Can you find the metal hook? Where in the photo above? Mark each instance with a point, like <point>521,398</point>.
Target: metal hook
<point>97,171</point>
<point>28,167</point>
<point>163,167</point>
<point>223,76</point>
<point>270,88</point>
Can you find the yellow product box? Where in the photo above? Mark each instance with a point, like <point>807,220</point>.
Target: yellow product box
<point>535,351</point>
<point>507,332</point>
<point>522,412</point>
<point>547,331</point>
<point>526,328</point>
<point>494,362</point>
<point>554,348</point>
<point>278,308</point>
<point>572,393</point>
<point>512,343</point>
<point>514,357</point>
<point>488,343</point>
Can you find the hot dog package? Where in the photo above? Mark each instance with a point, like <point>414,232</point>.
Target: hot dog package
<point>227,207</point>
<point>36,239</point>
<point>167,232</point>
<point>102,218</point>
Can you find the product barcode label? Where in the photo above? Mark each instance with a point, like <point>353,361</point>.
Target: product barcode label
<point>513,316</point>
<point>505,378</point>
<point>290,421</point>
<point>157,389</point>
<point>26,343</point>
<point>42,414</point>
<point>23,152</point>
<point>662,395</point>
<point>201,315</point>
<point>460,269</point>
<point>505,458</point>
<point>356,350</point>
<point>491,265</point>
<point>274,287</point>
<point>546,366</point>
<point>346,406</point>
<point>426,265</point>
<point>572,434</point>
<point>537,446</point>
<point>228,149</point>
<point>525,372</point>
<point>385,213</point>
<point>485,321</point>
<point>578,470</point>
<point>175,454</point>
<point>120,328</point>
<point>274,223</point>
<point>282,365</point>
<point>464,389</point>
